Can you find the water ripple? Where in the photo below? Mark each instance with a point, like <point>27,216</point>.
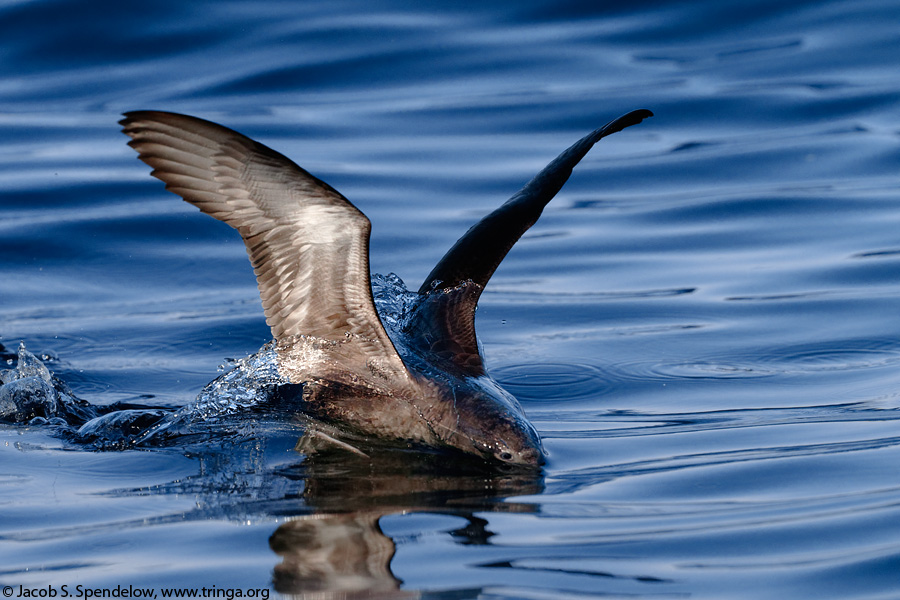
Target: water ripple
<point>838,355</point>
<point>553,382</point>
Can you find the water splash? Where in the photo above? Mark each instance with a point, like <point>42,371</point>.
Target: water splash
<point>247,386</point>
<point>31,394</point>
<point>393,301</point>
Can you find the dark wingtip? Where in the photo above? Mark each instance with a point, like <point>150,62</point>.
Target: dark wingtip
<point>128,119</point>
<point>627,120</point>
<point>131,115</point>
<point>636,116</point>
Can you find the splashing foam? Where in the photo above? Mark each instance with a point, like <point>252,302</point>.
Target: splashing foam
<point>31,394</point>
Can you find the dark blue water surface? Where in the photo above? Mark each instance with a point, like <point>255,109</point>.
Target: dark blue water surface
<point>703,326</point>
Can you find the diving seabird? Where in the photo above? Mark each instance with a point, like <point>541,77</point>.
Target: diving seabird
<point>309,247</point>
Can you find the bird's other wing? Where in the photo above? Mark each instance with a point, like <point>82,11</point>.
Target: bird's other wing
<point>478,253</point>
<point>446,322</point>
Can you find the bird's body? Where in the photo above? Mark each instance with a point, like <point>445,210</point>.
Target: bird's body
<point>309,249</point>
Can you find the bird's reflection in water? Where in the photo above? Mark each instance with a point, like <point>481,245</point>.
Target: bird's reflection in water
<point>330,500</point>
<point>339,554</point>
<point>340,550</point>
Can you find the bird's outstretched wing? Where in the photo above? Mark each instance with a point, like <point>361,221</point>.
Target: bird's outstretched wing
<point>478,253</point>
<point>309,245</point>
<point>468,265</point>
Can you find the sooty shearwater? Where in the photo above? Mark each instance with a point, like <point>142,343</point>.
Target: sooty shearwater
<point>309,247</point>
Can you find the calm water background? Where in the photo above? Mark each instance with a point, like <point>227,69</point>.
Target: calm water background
<point>703,325</point>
